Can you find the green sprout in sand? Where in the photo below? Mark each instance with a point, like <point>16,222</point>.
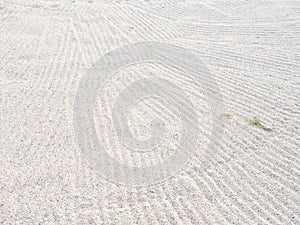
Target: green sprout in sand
<point>257,122</point>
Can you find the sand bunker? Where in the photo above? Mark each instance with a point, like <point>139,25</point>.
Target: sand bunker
<point>149,112</point>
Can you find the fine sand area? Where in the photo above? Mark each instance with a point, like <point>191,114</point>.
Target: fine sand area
<point>149,112</point>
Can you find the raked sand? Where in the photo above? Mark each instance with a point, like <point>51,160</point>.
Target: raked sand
<point>252,50</point>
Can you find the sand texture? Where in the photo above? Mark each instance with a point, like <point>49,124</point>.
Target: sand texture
<point>149,112</point>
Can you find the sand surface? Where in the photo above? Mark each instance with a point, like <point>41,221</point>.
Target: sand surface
<point>236,170</point>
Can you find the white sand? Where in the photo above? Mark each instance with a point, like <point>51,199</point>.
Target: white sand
<point>251,47</point>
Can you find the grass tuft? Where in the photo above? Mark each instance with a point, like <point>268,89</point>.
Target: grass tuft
<point>257,122</point>
<point>227,115</point>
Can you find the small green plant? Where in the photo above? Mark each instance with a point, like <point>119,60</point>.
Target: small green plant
<point>257,122</point>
